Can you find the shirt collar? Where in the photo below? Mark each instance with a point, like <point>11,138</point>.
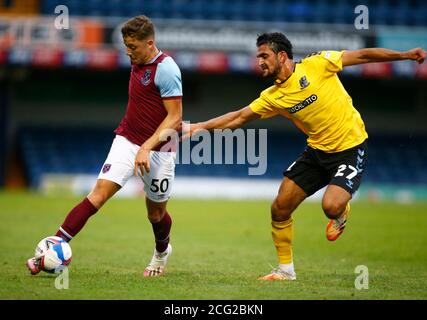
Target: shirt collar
<point>280,83</point>
<point>155,58</point>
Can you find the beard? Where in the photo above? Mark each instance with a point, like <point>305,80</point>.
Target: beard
<point>271,75</point>
<point>275,70</point>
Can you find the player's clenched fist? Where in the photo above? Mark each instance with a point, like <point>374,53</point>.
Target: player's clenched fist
<point>417,54</point>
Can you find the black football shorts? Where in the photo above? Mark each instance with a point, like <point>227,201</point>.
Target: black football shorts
<point>315,169</point>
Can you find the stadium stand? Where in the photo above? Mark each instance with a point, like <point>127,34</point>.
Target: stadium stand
<point>398,12</point>
<point>69,151</point>
<point>393,158</point>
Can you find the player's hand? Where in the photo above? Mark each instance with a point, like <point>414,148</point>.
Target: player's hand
<point>417,54</point>
<point>142,161</point>
<point>189,129</point>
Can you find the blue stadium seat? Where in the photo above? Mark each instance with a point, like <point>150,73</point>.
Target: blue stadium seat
<point>235,10</point>
<point>384,12</point>
<point>321,11</point>
<point>392,159</point>
<point>217,10</point>
<point>420,16</point>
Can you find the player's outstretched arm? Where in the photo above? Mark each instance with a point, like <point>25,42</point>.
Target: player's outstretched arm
<point>369,55</point>
<point>230,120</point>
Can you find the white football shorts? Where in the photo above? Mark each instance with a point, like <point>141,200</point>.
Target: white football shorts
<point>120,163</point>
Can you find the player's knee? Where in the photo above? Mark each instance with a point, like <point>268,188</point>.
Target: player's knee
<point>97,199</point>
<point>332,209</point>
<point>156,215</point>
<point>280,212</point>
<point>100,194</point>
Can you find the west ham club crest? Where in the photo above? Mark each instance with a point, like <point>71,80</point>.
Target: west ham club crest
<point>106,168</point>
<point>146,78</point>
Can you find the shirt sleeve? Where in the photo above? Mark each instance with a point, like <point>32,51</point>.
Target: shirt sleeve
<point>168,79</point>
<point>262,107</point>
<point>333,60</point>
<point>329,61</point>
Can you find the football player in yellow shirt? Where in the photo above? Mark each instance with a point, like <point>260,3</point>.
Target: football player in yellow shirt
<point>310,94</point>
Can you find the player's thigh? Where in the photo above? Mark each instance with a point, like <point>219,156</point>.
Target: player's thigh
<point>347,168</point>
<point>159,181</point>
<point>307,173</point>
<point>120,162</point>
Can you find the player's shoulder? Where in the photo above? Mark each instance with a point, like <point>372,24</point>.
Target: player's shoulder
<point>168,61</point>
<point>168,66</point>
<point>312,57</point>
<point>323,55</point>
<point>269,92</point>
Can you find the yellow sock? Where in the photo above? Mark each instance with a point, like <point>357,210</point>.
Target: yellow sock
<point>283,234</point>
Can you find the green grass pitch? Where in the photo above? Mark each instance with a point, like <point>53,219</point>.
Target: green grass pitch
<point>220,248</point>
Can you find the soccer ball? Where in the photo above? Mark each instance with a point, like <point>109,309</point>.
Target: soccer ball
<point>54,254</point>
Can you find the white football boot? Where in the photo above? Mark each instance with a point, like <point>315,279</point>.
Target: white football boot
<point>33,265</point>
<point>157,265</point>
<point>278,274</point>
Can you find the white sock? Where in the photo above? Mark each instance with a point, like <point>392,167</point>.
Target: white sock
<point>288,268</point>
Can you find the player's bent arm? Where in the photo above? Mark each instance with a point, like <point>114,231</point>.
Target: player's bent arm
<point>172,121</point>
<point>230,120</point>
<point>368,55</point>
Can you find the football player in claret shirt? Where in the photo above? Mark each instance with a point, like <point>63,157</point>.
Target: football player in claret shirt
<point>310,94</point>
<point>154,106</point>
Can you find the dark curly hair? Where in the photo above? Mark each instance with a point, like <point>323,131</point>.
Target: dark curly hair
<point>277,42</point>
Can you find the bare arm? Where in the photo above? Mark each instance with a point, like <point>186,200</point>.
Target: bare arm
<point>369,55</point>
<point>230,120</point>
<point>172,121</point>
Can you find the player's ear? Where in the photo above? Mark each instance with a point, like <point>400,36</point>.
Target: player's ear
<point>283,56</point>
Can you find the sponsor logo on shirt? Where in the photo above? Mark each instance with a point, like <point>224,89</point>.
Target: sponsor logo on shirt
<point>303,104</point>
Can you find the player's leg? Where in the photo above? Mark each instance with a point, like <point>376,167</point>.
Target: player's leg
<point>346,169</point>
<point>161,223</point>
<point>158,186</point>
<point>116,170</point>
<point>335,204</point>
<point>78,216</point>
<point>302,179</point>
<point>282,229</point>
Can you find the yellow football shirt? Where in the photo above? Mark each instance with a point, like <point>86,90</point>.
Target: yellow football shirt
<point>314,99</point>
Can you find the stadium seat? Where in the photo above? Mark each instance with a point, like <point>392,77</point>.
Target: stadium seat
<point>392,159</point>
<point>217,10</point>
<point>383,12</point>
